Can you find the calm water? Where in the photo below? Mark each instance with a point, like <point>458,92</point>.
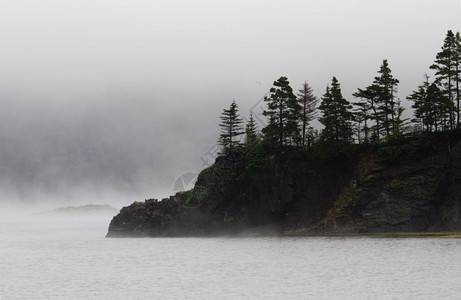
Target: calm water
<point>66,261</point>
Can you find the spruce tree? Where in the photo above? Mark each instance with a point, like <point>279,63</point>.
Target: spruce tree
<point>386,86</point>
<point>399,124</point>
<point>308,104</point>
<point>422,110</point>
<point>254,152</point>
<point>445,66</point>
<point>251,131</point>
<point>457,73</point>
<point>362,113</point>
<point>432,108</point>
<point>379,100</point>
<point>369,109</point>
<point>283,112</point>
<point>231,128</point>
<point>439,108</point>
<point>336,116</point>
<point>312,136</point>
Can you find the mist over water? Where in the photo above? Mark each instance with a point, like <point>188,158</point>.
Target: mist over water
<point>110,102</point>
<point>96,148</point>
<point>57,260</point>
<point>114,101</point>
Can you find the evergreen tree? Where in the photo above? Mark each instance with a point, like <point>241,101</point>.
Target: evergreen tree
<point>446,66</point>
<point>254,151</point>
<point>231,128</point>
<point>457,71</point>
<point>251,131</point>
<point>440,107</point>
<point>399,125</point>
<point>423,111</point>
<point>432,108</point>
<point>380,99</point>
<point>386,86</point>
<point>369,109</point>
<point>283,112</point>
<point>308,104</point>
<point>361,116</point>
<point>336,116</point>
<point>312,136</point>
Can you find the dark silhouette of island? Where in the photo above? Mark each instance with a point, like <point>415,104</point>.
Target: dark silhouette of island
<point>79,211</point>
<point>368,170</point>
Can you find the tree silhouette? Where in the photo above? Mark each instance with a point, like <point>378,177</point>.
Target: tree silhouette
<point>386,86</point>
<point>446,65</point>
<point>251,131</point>
<point>336,116</point>
<point>283,112</point>
<point>231,128</point>
<point>308,104</point>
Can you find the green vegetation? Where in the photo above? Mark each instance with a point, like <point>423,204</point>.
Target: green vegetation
<point>231,128</point>
<point>377,103</point>
<point>266,169</point>
<point>447,66</point>
<point>365,169</point>
<point>308,102</point>
<point>283,113</point>
<point>251,132</point>
<point>374,120</point>
<point>205,171</point>
<point>337,118</point>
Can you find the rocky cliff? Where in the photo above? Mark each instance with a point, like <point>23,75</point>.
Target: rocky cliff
<point>412,196</point>
<point>410,186</point>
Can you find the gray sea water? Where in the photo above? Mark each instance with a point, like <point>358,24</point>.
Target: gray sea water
<point>73,260</point>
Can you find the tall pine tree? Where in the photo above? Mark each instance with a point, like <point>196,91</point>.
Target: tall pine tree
<point>423,111</point>
<point>283,113</point>
<point>336,116</point>
<point>457,72</point>
<point>308,102</point>
<point>362,113</point>
<point>386,86</point>
<point>445,66</point>
<point>431,107</point>
<point>231,128</point>
<point>379,100</point>
<point>254,152</point>
<point>251,131</point>
<point>369,109</point>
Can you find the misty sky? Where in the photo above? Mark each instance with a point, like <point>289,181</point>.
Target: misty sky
<point>119,98</point>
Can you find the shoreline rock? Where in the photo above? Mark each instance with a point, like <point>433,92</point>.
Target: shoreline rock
<point>354,193</point>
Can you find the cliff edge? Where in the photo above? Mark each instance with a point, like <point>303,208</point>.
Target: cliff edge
<point>411,185</point>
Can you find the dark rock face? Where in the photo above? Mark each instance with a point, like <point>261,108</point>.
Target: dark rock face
<point>413,196</point>
<point>355,193</point>
<point>230,198</point>
<point>159,218</point>
<point>398,198</point>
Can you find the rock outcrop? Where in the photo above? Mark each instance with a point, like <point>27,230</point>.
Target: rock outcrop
<point>400,188</point>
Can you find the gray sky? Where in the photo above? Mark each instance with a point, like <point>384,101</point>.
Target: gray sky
<point>114,97</point>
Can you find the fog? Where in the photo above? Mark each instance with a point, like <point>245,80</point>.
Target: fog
<point>113,101</point>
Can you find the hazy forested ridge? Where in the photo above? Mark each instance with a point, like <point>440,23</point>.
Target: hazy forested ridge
<point>230,149</point>
<point>368,169</point>
<point>376,116</point>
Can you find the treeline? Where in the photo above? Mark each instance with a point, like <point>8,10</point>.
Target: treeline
<point>376,115</point>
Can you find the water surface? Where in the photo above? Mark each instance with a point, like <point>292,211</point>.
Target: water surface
<point>73,260</point>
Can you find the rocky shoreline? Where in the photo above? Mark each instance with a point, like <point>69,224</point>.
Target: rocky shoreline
<point>359,193</point>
